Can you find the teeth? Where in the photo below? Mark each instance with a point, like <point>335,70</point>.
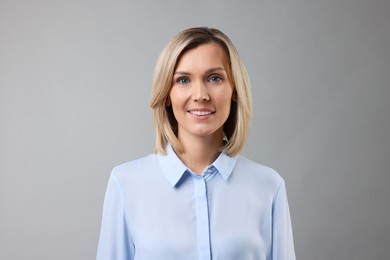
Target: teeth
<point>200,113</point>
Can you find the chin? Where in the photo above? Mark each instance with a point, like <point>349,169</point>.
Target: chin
<point>207,132</point>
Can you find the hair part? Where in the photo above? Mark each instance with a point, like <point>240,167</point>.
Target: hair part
<point>236,126</point>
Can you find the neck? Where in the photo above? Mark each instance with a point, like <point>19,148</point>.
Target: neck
<point>200,152</point>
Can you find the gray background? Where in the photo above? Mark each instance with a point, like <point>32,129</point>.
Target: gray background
<point>75,83</point>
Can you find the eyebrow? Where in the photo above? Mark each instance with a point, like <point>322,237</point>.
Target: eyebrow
<point>207,71</point>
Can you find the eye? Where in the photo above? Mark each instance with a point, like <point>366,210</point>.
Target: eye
<point>215,78</point>
<point>183,80</point>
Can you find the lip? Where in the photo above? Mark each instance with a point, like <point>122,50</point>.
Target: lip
<point>201,113</point>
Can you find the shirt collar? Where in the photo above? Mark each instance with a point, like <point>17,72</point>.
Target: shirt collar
<point>174,169</point>
<point>225,165</point>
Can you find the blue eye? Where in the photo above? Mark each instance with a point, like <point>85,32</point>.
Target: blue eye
<point>183,81</point>
<point>215,79</point>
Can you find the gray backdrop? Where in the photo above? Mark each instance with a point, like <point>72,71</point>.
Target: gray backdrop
<point>75,79</point>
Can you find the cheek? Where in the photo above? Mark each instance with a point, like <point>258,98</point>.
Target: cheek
<point>225,105</point>
<point>176,97</point>
<point>177,103</point>
<point>173,98</point>
<point>226,98</point>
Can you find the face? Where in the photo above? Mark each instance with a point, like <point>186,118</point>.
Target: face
<point>201,93</point>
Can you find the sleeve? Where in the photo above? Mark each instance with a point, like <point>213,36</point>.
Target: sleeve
<point>115,242</point>
<point>282,235</point>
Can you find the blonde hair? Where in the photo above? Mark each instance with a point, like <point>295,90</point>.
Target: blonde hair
<point>236,126</point>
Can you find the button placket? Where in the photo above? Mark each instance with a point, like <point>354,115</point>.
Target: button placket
<point>202,218</point>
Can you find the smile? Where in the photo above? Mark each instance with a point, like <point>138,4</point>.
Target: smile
<point>200,113</point>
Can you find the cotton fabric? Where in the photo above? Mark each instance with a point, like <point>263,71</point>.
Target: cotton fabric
<point>156,208</point>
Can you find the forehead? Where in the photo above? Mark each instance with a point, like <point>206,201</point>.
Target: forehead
<point>204,55</point>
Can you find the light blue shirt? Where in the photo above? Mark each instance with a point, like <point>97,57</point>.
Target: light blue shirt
<point>155,208</point>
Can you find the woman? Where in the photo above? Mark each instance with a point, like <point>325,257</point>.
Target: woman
<point>195,198</point>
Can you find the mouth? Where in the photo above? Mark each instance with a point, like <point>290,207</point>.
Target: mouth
<point>201,112</point>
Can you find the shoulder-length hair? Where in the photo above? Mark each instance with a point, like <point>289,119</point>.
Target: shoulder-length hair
<point>236,126</point>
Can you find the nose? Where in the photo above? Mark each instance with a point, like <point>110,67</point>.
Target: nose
<point>200,92</point>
